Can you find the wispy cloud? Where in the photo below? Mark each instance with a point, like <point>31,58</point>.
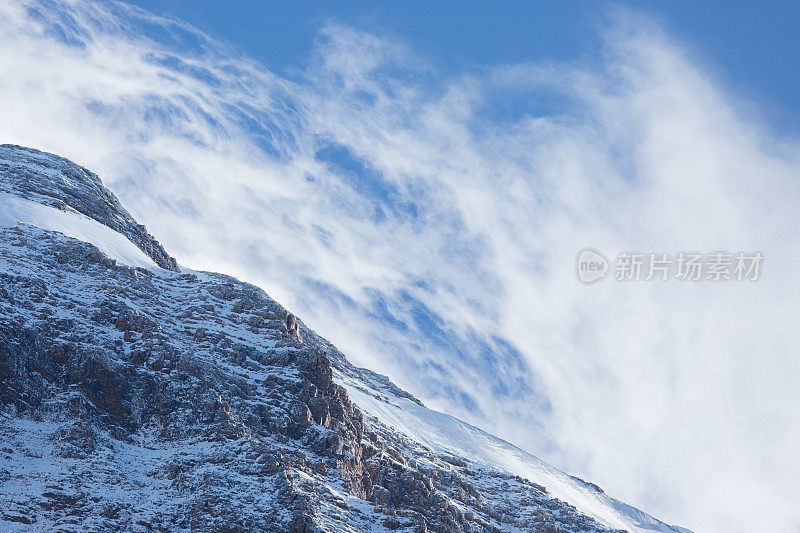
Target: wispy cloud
<point>428,223</point>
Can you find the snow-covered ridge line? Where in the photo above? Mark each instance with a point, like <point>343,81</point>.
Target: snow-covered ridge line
<point>449,436</point>
<point>57,182</point>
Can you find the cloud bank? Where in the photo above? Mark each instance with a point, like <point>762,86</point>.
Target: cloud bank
<point>428,223</point>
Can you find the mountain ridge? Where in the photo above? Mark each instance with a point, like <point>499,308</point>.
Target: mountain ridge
<point>203,395</point>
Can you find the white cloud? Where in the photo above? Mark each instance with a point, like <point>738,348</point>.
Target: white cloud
<point>428,224</point>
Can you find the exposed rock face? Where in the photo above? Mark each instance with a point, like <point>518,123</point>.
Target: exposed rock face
<point>136,400</point>
<point>186,402</point>
<point>58,182</point>
<point>291,327</point>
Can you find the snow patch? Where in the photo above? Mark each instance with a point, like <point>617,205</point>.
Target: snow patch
<point>14,210</point>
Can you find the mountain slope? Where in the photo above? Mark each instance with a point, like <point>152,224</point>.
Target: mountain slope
<point>135,397</point>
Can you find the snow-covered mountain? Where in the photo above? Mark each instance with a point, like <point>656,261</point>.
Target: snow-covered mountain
<point>138,396</point>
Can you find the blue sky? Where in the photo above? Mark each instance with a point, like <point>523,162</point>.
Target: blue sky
<point>751,47</point>
<point>415,183</point>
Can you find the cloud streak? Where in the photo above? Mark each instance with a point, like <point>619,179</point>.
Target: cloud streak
<point>427,224</point>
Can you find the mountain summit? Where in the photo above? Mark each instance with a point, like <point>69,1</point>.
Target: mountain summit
<point>139,396</point>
